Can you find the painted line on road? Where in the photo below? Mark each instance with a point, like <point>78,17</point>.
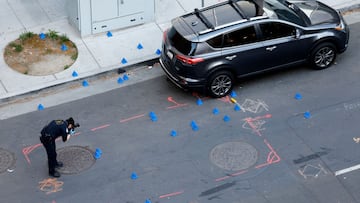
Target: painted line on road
<point>27,150</point>
<point>100,127</point>
<point>132,118</point>
<point>177,105</point>
<point>347,170</point>
<point>171,194</point>
<point>231,175</point>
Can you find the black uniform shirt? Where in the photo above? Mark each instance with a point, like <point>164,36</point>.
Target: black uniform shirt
<point>55,129</point>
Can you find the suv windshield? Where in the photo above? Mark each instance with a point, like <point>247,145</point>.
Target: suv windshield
<point>180,43</point>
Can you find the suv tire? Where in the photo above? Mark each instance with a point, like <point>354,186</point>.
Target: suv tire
<point>220,84</point>
<point>323,56</point>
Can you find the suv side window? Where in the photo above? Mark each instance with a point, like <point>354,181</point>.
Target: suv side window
<point>216,42</point>
<point>240,37</point>
<point>275,30</point>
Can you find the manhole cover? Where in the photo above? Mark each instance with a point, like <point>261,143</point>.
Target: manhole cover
<point>7,160</point>
<point>234,156</point>
<point>75,159</point>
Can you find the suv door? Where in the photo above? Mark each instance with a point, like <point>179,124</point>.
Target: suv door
<point>241,50</point>
<point>283,44</point>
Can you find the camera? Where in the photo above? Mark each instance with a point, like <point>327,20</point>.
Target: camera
<point>72,130</point>
<point>76,125</point>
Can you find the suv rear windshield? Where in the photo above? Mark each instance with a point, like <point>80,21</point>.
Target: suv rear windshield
<point>180,43</point>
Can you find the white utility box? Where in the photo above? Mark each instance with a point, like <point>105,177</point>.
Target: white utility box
<point>96,16</point>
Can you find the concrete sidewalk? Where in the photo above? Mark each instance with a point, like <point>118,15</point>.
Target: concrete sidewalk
<point>97,53</point>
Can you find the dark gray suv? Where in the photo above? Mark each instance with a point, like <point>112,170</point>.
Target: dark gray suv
<point>209,48</point>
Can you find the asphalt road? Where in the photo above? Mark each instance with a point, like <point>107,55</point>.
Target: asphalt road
<point>165,145</point>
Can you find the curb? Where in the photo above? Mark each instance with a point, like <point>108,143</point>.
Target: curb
<point>348,8</point>
<point>119,71</point>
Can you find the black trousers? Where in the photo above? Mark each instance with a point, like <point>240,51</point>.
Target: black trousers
<point>50,147</point>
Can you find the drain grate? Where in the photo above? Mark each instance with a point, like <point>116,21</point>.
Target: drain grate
<point>234,156</point>
<point>75,159</point>
<point>7,160</point>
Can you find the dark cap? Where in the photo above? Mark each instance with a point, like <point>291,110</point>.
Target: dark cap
<point>70,121</point>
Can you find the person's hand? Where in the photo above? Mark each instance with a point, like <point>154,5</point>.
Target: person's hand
<point>72,132</point>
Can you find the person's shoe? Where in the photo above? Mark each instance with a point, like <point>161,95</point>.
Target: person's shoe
<point>59,164</point>
<point>55,174</point>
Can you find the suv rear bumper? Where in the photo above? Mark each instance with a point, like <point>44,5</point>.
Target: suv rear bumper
<point>172,78</point>
<point>181,82</point>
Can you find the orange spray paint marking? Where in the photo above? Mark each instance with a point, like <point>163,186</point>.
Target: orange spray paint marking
<point>100,127</point>
<point>170,99</point>
<point>132,118</point>
<point>171,194</point>
<point>275,157</point>
<point>50,185</point>
<point>239,173</point>
<point>231,175</point>
<point>256,123</point>
<point>226,99</point>
<point>222,178</point>
<point>27,150</point>
<point>272,157</point>
<point>258,117</point>
<point>195,94</point>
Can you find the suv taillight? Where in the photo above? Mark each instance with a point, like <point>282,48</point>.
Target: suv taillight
<point>188,60</point>
<point>164,35</point>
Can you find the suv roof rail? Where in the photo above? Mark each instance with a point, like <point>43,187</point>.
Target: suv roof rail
<point>232,23</point>
<point>222,26</point>
<point>237,8</point>
<point>203,19</point>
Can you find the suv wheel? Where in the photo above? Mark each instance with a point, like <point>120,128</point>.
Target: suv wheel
<point>323,56</point>
<point>220,84</point>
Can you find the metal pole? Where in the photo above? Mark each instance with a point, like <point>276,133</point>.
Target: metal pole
<point>202,3</point>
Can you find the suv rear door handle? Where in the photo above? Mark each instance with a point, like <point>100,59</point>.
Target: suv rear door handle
<point>230,57</point>
<point>270,48</point>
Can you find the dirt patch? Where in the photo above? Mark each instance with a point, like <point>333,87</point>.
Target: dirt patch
<point>49,64</point>
<point>34,55</point>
